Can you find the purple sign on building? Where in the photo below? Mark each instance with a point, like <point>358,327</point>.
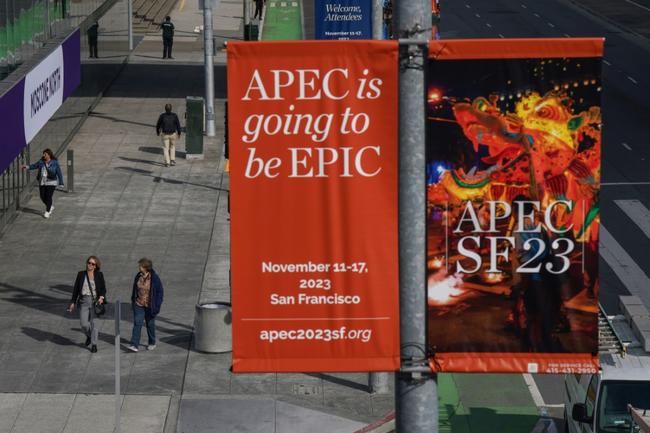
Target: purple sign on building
<point>32,101</point>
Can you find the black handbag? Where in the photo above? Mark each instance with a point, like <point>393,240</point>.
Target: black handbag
<point>51,175</point>
<point>99,309</point>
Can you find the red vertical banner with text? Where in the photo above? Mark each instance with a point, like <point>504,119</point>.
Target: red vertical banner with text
<point>313,148</point>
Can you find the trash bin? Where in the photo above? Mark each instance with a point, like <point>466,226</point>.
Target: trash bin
<point>194,127</point>
<point>212,331</point>
<point>251,32</point>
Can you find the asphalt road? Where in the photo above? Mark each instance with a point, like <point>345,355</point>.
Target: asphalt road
<point>625,193</point>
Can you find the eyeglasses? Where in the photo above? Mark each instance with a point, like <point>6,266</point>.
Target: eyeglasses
<point>92,263</point>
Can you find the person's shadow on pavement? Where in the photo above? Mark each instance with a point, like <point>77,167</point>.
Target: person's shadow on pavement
<point>40,335</point>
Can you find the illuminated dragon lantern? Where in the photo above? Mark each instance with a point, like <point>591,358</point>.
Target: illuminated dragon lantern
<point>542,151</point>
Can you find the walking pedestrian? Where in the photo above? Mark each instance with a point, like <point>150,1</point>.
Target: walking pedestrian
<point>170,127</point>
<point>259,6</point>
<point>48,177</point>
<point>89,287</point>
<point>92,39</point>
<point>168,37</point>
<point>146,300</point>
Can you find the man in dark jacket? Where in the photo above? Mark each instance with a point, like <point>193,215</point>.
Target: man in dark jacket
<point>168,37</point>
<point>92,39</point>
<point>146,300</point>
<point>169,125</point>
<point>259,6</point>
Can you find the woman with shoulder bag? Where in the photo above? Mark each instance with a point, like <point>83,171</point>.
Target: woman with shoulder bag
<point>90,293</point>
<point>49,177</point>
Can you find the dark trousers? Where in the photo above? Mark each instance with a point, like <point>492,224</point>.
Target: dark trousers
<point>92,44</point>
<point>258,9</point>
<point>140,315</point>
<point>46,192</point>
<point>167,47</point>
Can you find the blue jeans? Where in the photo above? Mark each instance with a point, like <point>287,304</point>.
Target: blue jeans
<point>143,314</point>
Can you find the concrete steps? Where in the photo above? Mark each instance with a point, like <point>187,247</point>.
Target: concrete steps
<point>149,14</point>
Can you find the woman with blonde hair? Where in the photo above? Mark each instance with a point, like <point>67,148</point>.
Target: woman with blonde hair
<point>89,288</point>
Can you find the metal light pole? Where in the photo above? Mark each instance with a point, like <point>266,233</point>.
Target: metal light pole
<point>118,400</point>
<point>130,23</point>
<point>416,390</point>
<point>378,19</point>
<point>378,382</point>
<point>209,68</point>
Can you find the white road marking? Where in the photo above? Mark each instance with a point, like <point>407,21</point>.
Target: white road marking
<point>606,62</point>
<point>637,213</point>
<point>537,15</point>
<point>524,6</point>
<point>501,36</point>
<point>632,80</point>
<point>534,390</point>
<point>566,35</point>
<point>625,268</point>
<point>467,6</point>
<point>551,25</point>
<point>627,146</point>
<point>489,25</point>
<point>477,15</point>
<point>638,5</point>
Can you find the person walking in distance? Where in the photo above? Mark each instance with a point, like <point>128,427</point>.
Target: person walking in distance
<point>92,39</point>
<point>49,177</point>
<point>170,127</point>
<point>146,300</point>
<point>168,37</point>
<point>89,287</point>
<point>259,6</point>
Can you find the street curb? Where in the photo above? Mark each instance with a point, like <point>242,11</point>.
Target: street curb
<point>384,425</point>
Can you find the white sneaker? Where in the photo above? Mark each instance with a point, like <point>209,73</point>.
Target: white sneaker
<point>46,214</point>
<point>132,348</point>
<point>151,347</point>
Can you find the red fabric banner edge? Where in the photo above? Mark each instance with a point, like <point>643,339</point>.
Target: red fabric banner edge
<point>457,49</point>
<point>474,362</point>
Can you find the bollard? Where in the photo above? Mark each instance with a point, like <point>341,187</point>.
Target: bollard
<point>378,383</point>
<point>118,403</point>
<point>70,164</point>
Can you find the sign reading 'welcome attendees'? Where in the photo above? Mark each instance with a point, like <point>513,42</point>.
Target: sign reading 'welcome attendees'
<point>313,136</point>
<point>343,19</point>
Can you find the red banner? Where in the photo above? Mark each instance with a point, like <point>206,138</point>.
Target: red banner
<point>313,148</point>
<point>513,175</point>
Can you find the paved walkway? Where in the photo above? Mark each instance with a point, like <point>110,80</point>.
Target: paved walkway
<point>126,205</point>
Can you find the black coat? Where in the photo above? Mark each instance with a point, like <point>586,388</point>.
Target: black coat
<point>100,286</point>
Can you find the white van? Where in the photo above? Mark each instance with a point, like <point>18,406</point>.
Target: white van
<point>597,403</point>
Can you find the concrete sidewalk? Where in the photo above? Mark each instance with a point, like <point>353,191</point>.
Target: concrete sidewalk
<point>127,205</point>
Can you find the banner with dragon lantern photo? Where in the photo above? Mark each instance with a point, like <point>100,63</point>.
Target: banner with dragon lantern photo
<point>513,176</point>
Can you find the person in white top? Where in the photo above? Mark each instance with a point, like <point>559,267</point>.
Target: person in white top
<point>49,177</point>
<point>89,288</point>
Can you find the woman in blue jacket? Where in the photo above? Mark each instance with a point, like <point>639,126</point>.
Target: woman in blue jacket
<point>49,177</point>
<point>146,300</point>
